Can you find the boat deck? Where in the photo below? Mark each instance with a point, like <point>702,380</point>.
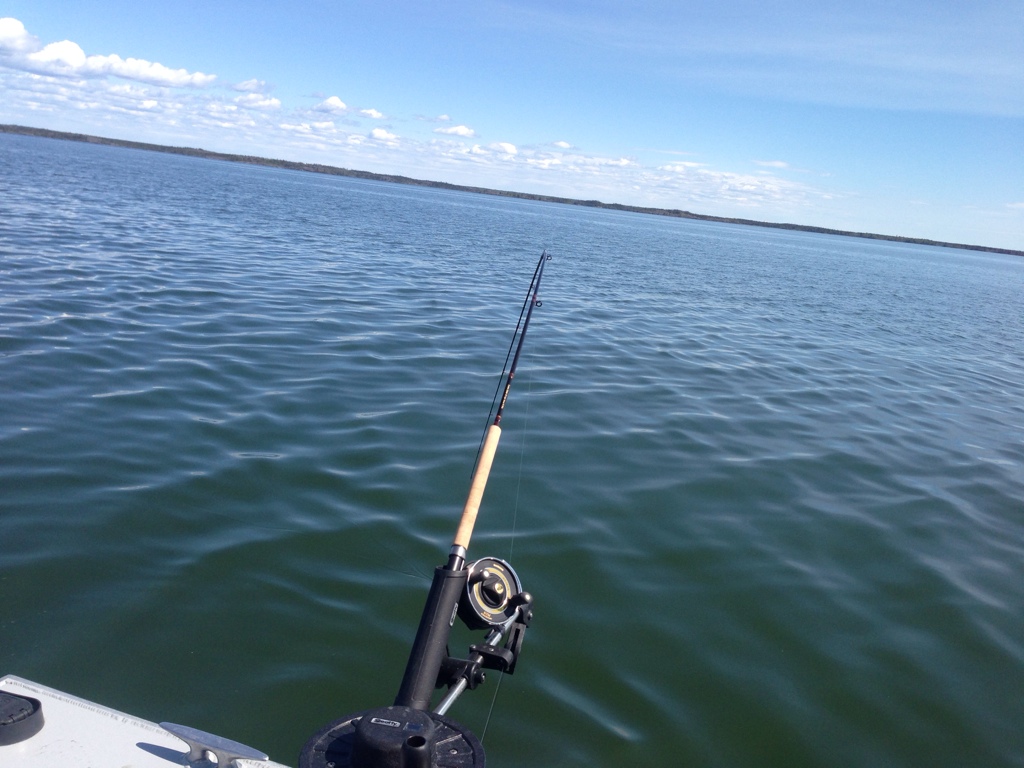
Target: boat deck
<point>80,733</point>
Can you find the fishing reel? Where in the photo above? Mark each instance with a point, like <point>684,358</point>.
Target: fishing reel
<point>486,595</point>
<point>493,599</point>
<point>491,595</point>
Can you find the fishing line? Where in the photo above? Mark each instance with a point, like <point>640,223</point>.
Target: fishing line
<point>494,698</point>
<point>522,455</point>
<point>512,541</point>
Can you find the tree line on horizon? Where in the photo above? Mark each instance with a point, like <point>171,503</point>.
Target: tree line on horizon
<point>396,179</point>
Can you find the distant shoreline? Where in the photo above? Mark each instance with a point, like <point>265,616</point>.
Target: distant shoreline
<point>335,171</point>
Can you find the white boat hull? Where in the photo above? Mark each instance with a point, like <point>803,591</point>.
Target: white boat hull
<point>80,733</point>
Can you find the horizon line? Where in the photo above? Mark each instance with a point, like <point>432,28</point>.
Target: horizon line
<point>409,181</point>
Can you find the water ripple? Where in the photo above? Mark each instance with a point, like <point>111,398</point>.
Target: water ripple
<point>765,486</point>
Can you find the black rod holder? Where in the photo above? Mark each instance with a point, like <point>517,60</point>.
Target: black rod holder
<point>429,649</point>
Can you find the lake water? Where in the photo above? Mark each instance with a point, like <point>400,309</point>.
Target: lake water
<point>767,487</point>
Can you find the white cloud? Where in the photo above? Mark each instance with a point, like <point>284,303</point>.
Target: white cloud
<point>562,144</point>
<point>772,163</point>
<point>251,86</point>
<point>147,72</point>
<point>544,162</point>
<point>371,113</point>
<point>680,167</point>
<point>697,183</point>
<point>320,128</point>
<point>60,58</point>
<point>15,39</point>
<point>457,130</point>
<point>381,135</point>
<point>504,146</point>
<point>67,59</point>
<point>621,162</point>
<point>258,101</point>
<point>332,104</point>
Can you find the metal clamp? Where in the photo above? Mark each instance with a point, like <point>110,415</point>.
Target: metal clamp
<point>201,744</point>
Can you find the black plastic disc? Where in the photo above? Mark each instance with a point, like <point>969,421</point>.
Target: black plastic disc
<point>336,745</point>
<point>20,718</point>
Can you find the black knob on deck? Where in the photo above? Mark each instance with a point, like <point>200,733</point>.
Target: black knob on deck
<point>492,590</point>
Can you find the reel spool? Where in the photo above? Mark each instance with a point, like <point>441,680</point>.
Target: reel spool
<point>488,600</point>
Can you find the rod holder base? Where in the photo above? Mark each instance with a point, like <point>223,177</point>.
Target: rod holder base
<point>393,737</point>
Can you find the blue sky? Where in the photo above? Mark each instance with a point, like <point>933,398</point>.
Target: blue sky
<point>899,117</point>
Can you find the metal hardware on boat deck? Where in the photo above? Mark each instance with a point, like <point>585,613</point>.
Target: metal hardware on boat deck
<point>393,737</point>
<point>202,744</point>
<point>21,718</point>
<point>460,674</point>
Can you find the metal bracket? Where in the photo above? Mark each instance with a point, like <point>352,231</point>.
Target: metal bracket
<point>226,753</point>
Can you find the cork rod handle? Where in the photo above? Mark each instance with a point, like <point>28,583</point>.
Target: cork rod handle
<point>476,488</point>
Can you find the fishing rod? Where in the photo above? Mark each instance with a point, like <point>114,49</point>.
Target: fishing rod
<point>485,594</point>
